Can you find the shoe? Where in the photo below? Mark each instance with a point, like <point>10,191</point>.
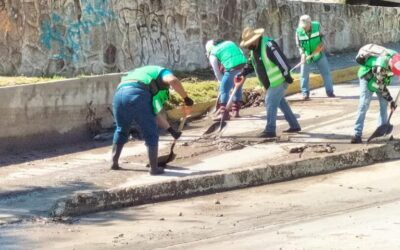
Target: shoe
<point>156,171</point>
<point>115,167</point>
<point>292,130</point>
<point>306,98</point>
<point>331,95</point>
<point>265,134</point>
<point>356,139</point>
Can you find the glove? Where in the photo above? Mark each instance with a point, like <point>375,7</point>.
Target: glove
<point>174,133</point>
<point>239,75</point>
<point>289,78</point>
<point>393,105</point>
<point>188,101</point>
<point>239,79</point>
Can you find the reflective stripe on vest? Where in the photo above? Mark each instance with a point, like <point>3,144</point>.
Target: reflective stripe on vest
<point>229,54</point>
<point>274,74</point>
<point>310,43</point>
<point>149,75</point>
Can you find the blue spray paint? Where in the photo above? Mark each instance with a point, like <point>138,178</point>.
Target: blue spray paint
<point>64,34</point>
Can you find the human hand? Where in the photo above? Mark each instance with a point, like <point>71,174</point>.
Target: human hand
<point>174,133</point>
<point>188,101</point>
<point>393,106</point>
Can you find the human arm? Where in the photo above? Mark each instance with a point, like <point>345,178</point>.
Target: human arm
<point>301,50</point>
<point>174,82</point>
<point>381,75</point>
<point>247,70</point>
<point>177,86</point>
<point>216,67</point>
<point>278,58</point>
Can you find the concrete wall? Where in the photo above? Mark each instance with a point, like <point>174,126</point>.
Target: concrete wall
<point>46,114</point>
<point>99,36</point>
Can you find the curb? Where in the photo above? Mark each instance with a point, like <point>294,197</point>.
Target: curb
<point>316,81</point>
<point>89,202</point>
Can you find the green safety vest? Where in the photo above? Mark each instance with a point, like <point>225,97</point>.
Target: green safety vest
<point>274,74</point>
<point>229,55</point>
<point>150,75</point>
<point>381,61</point>
<point>310,43</point>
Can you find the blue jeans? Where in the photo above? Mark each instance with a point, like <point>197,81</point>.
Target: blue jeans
<point>226,85</point>
<point>274,99</point>
<point>134,104</point>
<point>365,100</point>
<point>323,67</point>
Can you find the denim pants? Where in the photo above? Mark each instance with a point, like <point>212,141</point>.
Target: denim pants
<point>134,104</point>
<point>365,100</point>
<point>226,86</point>
<point>323,67</point>
<point>274,99</point>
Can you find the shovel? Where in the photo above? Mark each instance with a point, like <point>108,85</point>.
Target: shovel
<point>219,125</point>
<point>164,159</point>
<point>386,128</point>
<point>295,67</point>
<point>316,51</point>
<point>214,108</point>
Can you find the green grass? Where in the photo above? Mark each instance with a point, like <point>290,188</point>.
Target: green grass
<point>20,80</point>
<point>206,90</point>
<point>197,84</point>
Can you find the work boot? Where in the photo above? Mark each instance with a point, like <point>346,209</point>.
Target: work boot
<point>292,130</point>
<point>222,112</point>
<point>153,161</point>
<point>356,139</point>
<point>115,154</point>
<point>266,134</point>
<point>235,109</point>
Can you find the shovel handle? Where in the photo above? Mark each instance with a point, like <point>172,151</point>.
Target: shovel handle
<point>238,82</point>
<point>297,65</point>
<point>186,110</point>
<point>392,111</point>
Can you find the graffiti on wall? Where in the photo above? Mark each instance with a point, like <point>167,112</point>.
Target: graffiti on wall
<point>71,37</point>
<point>148,34</point>
<point>67,33</point>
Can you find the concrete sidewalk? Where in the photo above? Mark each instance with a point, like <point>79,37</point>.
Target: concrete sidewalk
<point>76,183</point>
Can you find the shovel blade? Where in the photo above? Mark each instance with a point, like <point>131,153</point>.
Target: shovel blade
<point>381,131</point>
<point>221,126</point>
<point>165,159</point>
<point>214,127</point>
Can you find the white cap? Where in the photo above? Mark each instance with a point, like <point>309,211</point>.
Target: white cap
<point>304,21</point>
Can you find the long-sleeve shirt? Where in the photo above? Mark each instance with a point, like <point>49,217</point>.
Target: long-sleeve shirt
<point>275,54</point>
<point>216,67</point>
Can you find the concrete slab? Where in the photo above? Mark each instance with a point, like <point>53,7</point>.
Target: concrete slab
<point>32,187</point>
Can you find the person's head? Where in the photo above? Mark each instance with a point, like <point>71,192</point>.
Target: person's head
<point>394,64</point>
<point>305,22</point>
<point>209,46</point>
<point>251,38</point>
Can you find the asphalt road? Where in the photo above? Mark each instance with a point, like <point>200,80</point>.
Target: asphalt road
<point>352,209</point>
